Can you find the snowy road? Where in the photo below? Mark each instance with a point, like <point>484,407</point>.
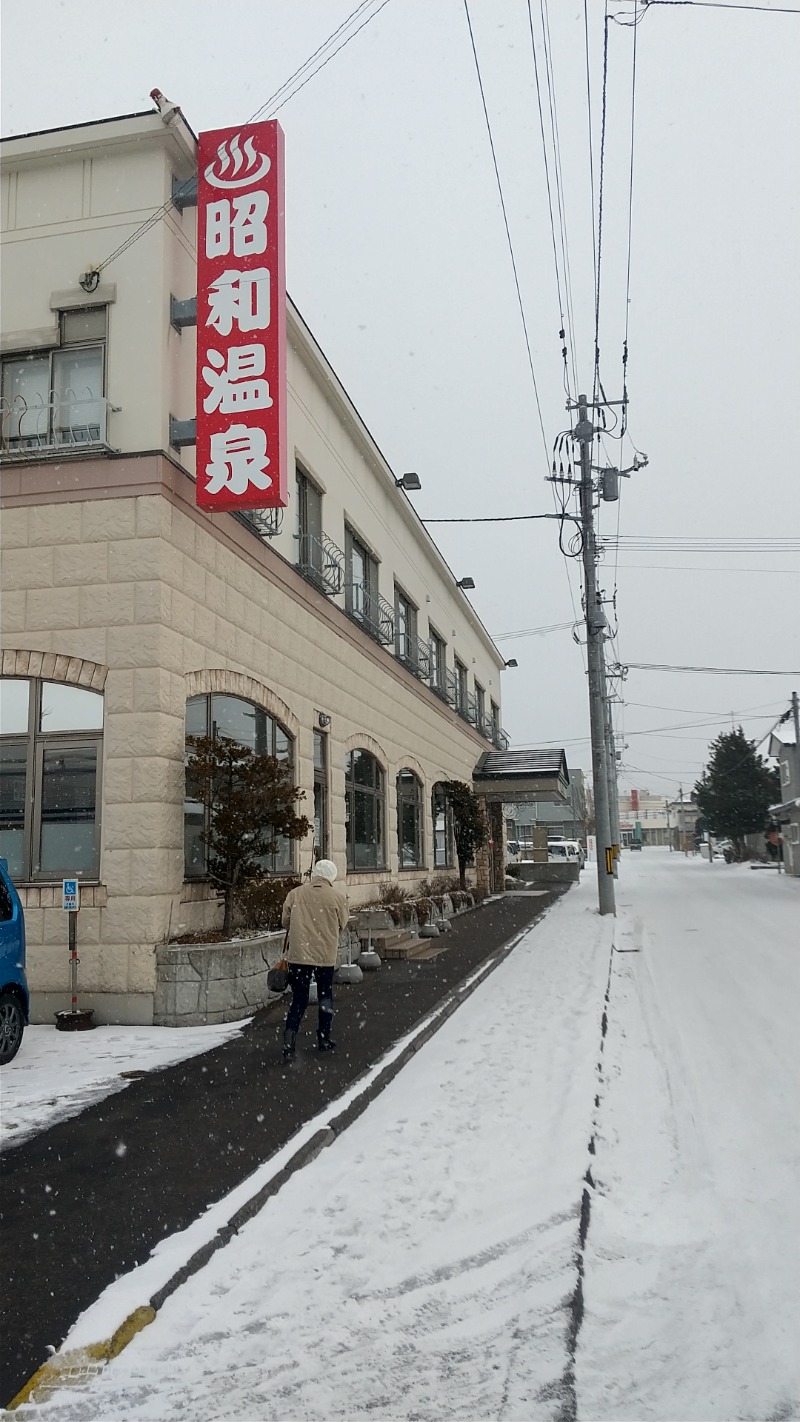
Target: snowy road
<point>693,1255</point>
<point>426,1265</point>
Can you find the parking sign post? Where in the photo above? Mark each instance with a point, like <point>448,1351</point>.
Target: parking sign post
<point>70,903</point>
<point>76,1019</point>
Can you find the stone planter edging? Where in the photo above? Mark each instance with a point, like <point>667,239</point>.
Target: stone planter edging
<point>200,983</point>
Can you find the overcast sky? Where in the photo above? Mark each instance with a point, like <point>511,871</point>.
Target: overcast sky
<point>397,258</point>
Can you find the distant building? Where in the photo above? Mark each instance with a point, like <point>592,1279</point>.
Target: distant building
<point>787,811</point>
<point>568,818</point>
<point>643,816</point>
<point>682,817</point>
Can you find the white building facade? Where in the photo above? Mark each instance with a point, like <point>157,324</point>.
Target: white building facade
<point>333,635</point>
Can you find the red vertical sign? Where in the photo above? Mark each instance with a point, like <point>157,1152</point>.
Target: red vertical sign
<point>241,319</point>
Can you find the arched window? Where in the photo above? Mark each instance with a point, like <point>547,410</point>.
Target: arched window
<point>410,840</point>
<point>364,811</point>
<point>442,813</point>
<point>216,714</point>
<point>51,739</point>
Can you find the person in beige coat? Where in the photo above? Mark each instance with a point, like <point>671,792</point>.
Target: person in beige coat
<point>315,914</point>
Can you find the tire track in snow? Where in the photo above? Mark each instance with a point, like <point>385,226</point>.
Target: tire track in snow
<point>568,1411</point>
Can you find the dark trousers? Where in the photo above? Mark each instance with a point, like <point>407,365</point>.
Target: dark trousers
<point>300,975</point>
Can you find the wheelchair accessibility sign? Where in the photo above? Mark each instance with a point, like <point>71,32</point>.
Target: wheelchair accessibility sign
<point>70,895</point>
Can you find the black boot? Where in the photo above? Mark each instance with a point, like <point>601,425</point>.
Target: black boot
<point>324,1043</point>
<point>289,1039</point>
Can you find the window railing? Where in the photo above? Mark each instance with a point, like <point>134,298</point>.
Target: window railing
<point>472,712</point>
<point>499,739</point>
<point>370,611</point>
<point>59,423</point>
<point>415,654</point>
<point>265,523</point>
<point>321,561</point>
<point>454,690</point>
<point>485,726</point>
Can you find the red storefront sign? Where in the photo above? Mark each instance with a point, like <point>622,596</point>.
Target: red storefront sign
<point>241,319</point>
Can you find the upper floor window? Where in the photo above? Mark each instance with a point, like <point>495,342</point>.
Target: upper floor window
<point>365,815</point>
<point>220,715</point>
<point>480,706</point>
<point>495,717</point>
<point>438,661</point>
<point>410,848</point>
<point>52,399</point>
<point>362,600</point>
<point>405,627</point>
<point>309,524</point>
<point>50,758</point>
<point>362,578</point>
<point>461,687</point>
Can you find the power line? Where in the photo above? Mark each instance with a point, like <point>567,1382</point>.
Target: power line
<point>160,212</point>
<point>718,5</point>
<point>661,543</point>
<point>561,201</point>
<point>710,671</point>
<point>320,49</point>
<point>513,260</point>
<point>496,518</point>
<point>508,230</point>
<point>564,322</point>
<point>630,229</point>
<point>598,276</point>
<point>325,61</point>
<point>656,730</point>
<point>532,632</point>
<point>702,568</point>
<point>591,142</point>
<point>564,239</point>
<point>766,706</point>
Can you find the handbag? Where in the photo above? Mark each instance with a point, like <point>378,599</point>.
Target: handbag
<point>278,977</point>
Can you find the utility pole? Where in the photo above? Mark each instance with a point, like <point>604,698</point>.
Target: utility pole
<point>796,719</point>
<point>595,624</point>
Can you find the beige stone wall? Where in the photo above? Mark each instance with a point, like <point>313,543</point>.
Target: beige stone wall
<point>146,598</point>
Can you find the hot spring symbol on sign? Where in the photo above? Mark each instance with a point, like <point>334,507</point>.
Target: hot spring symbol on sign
<point>233,168</point>
<point>241,451</point>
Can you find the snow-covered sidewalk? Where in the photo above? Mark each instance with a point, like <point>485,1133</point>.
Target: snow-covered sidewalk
<point>57,1074</point>
<point>422,1265</point>
<point>425,1266</point>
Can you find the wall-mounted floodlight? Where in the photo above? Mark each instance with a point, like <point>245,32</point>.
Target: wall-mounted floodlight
<point>408,482</point>
<point>512,662</point>
<point>466,584</point>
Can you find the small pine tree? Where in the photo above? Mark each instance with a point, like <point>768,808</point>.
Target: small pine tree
<point>251,800</point>
<point>737,790</point>
<point>469,823</point>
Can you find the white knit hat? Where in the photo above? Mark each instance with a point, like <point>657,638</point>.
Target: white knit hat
<point>324,869</point>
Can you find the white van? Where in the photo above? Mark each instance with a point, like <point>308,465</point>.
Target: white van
<point>569,851</point>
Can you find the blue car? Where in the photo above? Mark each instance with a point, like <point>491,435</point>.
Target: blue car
<point>14,1001</point>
